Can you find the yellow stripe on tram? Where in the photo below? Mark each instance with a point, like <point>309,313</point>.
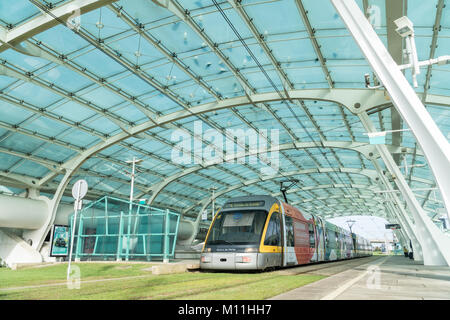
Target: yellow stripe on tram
<point>264,248</point>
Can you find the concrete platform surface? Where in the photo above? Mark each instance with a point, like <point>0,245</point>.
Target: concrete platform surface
<point>374,278</point>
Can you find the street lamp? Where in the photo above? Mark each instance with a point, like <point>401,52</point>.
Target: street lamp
<point>130,208</point>
<point>134,162</point>
<point>405,29</point>
<point>213,189</point>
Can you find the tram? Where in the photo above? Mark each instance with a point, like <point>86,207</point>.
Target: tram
<point>262,232</point>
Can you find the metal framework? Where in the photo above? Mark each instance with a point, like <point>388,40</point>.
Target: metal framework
<point>288,108</point>
<point>428,135</point>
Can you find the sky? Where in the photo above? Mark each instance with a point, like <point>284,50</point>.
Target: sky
<point>369,227</point>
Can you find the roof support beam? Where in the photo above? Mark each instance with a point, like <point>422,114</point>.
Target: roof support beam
<point>39,51</point>
<point>43,22</point>
<point>334,95</point>
<point>207,201</point>
<point>314,42</point>
<point>153,82</point>
<point>434,244</point>
<point>393,202</point>
<point>156,189</point>
<point>287,84</point>
<point>10,71</point>
<point>184,15</point>
<point>259,37</point>
<point>435,146</point>
<point>361,148</point>
<point>351,98</point>
<point>167,92</point>
<point>346,97</point>
<point>369,173</point>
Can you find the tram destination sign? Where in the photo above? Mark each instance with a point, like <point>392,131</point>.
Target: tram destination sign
<point>244,204</point>
<point>393,226</point>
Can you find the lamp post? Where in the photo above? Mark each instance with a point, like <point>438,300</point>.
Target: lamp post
<point>130,208</point>
<point>79,190</point>
<point>213,189</point>
<point>133,170</point>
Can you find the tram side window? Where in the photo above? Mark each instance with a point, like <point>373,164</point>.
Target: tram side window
<point>289,232</point>
<point>331,239</point>
<point>312,239</point>
<point>338,240</point>
<point>273,237</point>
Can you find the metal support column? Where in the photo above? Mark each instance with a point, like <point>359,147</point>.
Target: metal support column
<point>433,242</point>
<point>400,213</point>
<point>407,229</point>
<point>166,237</point>
<point>127,251</point>
<point>433,143</point>
<point>106,215</point>
<point>401,232</point>
<point>119,241</point>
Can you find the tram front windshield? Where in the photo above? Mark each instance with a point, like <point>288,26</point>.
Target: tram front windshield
<point>237,227</point>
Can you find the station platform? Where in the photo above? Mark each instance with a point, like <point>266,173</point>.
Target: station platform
<point>373,278</point>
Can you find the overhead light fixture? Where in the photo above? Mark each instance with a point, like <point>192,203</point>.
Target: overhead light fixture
<point>443,60</point>
<point>405,27</point>
<point>136,161</point>
<point>377,85</point>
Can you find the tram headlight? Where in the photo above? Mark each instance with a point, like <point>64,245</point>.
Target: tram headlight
<point>243,259</point>
<point>248,250</point>
<point>205,259</point>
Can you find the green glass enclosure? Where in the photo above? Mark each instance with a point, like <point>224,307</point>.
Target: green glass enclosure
<point>115,229</point>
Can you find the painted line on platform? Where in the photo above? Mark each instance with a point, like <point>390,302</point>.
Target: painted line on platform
<point>347,285</point>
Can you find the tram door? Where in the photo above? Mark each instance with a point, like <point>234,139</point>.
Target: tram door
<point>312,242</point>
<point>320,239</point>
<point>290,257</point>
<point>272,241</point>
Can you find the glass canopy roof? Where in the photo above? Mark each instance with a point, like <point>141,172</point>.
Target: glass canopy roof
<point>79,82</point>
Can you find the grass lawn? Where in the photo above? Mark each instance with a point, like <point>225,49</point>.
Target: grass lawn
<point>57,273</point>
<point>191,285</point>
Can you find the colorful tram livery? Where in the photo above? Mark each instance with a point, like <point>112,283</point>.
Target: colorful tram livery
<point>260,232</point>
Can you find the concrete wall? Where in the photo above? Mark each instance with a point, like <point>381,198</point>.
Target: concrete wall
<point>14,250</point>
<point>22,213</point>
